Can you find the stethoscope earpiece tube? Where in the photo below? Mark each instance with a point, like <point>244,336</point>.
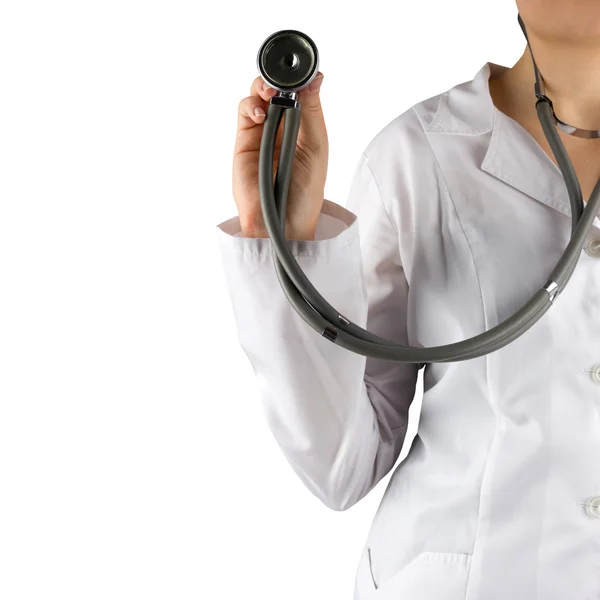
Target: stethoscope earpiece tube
<point>326,320</point>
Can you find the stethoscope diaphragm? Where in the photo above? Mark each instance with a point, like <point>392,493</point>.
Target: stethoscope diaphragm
<point>288,60</point>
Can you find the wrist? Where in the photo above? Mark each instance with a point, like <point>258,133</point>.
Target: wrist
<point>290,234</point>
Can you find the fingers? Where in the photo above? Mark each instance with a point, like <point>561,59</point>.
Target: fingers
<point>260,88</point>
<point>251,112</point>
<point>252,109</point>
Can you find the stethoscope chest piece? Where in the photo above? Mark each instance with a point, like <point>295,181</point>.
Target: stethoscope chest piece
<point>288,60</point>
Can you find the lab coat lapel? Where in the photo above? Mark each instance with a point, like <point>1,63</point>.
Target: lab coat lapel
<point>524,165</point>
<point>513,155</point>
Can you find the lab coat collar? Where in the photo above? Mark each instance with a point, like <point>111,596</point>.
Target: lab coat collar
<point>468,109</point>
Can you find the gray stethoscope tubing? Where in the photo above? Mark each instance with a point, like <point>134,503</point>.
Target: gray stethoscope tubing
<point>327,321</point>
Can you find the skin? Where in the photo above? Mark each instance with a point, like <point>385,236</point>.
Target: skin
<point>565,39</point>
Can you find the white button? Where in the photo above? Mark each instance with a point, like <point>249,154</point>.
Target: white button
<point>595,373</point>
<point>593,247</point>
<point>592,507</point>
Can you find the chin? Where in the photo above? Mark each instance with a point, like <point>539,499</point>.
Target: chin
<point>574,21</point>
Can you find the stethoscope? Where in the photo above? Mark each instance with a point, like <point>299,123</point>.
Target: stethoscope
<point>288,61</point>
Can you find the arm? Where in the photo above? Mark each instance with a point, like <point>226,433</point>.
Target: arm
<point>339,418</point>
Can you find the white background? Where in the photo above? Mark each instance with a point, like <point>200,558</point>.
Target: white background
<point>134,459</point>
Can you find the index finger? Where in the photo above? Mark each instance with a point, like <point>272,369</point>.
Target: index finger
<point>256,89</point>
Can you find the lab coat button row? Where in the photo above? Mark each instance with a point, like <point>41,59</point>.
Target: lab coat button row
<point>592,507</point>
<point>593,247</point>
<point>595,373</point>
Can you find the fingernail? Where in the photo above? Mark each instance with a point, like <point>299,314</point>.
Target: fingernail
<point>316,83</point>
<point>259,112</point>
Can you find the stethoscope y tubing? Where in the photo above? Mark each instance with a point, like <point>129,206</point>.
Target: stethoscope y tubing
<point>326,320</point>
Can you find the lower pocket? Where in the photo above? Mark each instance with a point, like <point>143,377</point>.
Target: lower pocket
<point>428,576</point>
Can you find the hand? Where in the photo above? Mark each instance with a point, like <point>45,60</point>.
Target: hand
<point>309,169</point>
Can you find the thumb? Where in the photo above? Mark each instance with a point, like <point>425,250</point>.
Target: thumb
<point>312,123</point>
<point>310,95</point>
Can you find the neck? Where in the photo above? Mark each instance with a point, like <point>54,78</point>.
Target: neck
<point>571,78</point>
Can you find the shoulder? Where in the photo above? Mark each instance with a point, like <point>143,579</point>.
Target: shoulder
<point>401,150</point>
<point>403,142</point>
<point>464,109</point>
<point>405,168</point>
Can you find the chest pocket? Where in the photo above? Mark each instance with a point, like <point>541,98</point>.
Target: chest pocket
<point>429,576</point>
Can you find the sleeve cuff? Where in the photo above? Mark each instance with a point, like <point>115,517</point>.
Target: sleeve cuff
<point>336,228</point>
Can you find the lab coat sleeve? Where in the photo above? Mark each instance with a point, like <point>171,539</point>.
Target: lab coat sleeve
<point>340,418</point>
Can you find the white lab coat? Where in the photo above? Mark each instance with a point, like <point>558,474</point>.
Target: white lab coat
<point>462,217</point>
